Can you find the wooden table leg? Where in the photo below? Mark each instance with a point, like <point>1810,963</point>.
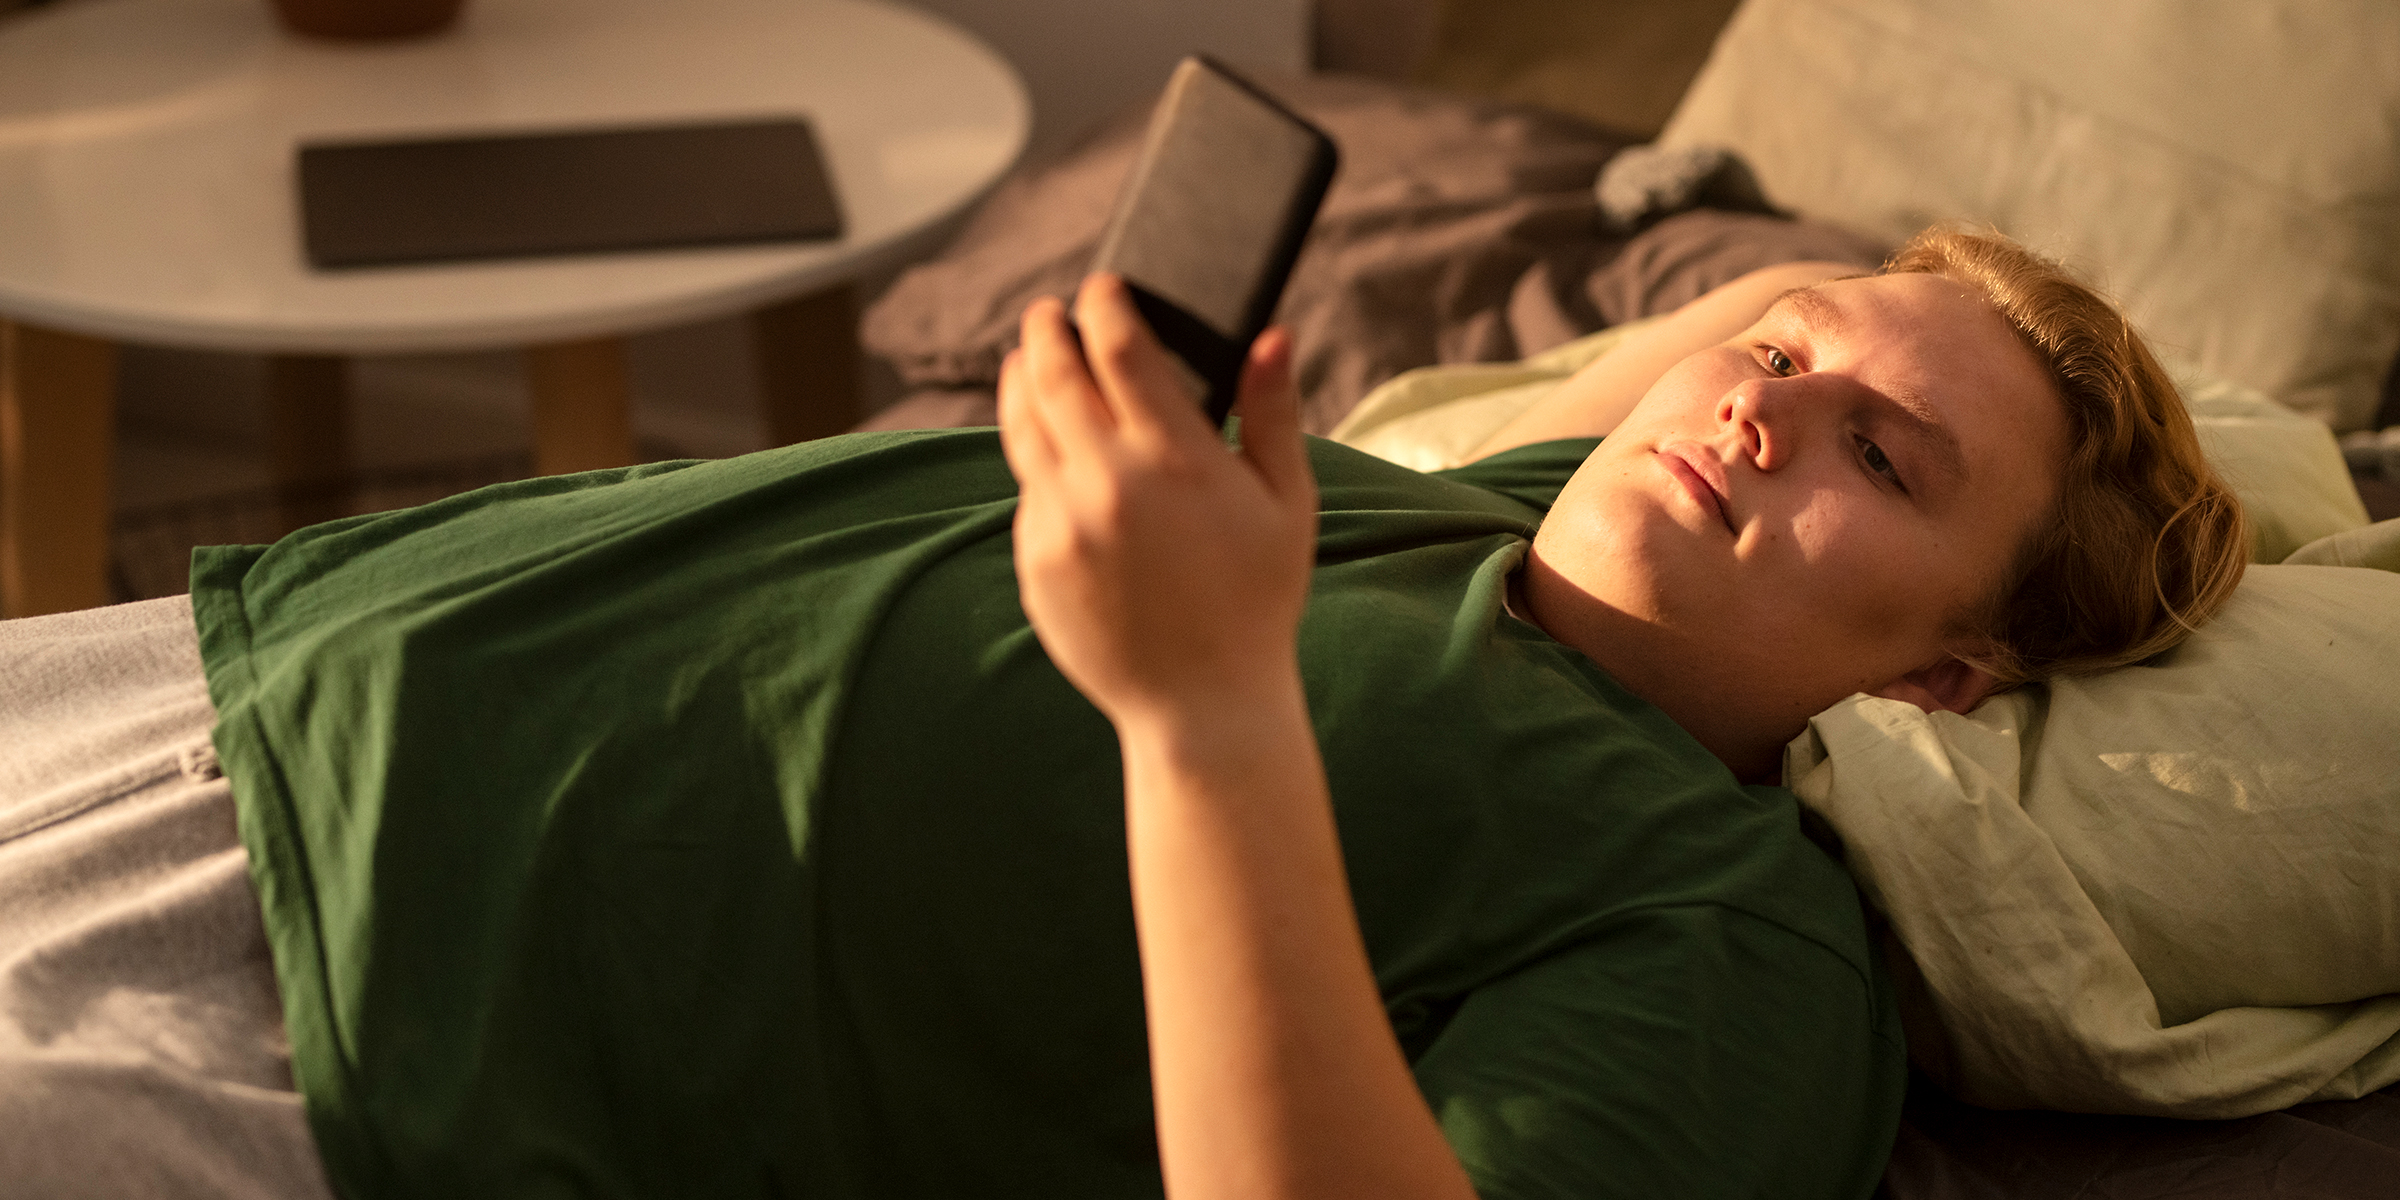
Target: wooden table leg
<point>308,435</point>
<point>58,425</point>
<point>582,406</point>
<point>807,354</point>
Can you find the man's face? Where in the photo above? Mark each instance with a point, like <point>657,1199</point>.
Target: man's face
<point>1807,510</point>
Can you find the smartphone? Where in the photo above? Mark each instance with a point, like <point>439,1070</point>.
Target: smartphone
<point>1211,219</point>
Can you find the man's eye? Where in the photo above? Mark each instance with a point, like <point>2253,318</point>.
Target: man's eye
<point>1880,463</point>
<point>1779,362</point>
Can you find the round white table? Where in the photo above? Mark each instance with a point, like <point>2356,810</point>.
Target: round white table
<point>147,195</point>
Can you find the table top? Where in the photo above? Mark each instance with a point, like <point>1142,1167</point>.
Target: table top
<point>146,159</point>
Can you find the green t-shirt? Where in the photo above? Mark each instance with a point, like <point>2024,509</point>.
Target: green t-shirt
<point>717,829</point>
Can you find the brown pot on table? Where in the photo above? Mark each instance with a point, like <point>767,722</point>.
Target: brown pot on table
<point>363,19</point>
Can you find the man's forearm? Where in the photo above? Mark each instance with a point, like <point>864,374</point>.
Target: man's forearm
<point>1274,1067</point>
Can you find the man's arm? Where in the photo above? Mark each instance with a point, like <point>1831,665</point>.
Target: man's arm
<point>1166,577</point>
<point>1594,399</point>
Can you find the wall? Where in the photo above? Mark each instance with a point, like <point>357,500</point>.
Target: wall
<point>1083,60</point>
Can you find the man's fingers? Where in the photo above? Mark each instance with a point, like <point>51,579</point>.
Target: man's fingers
<point>1136,373</point>
<point>1024,441</point>
<point>1074,413</point>
<point>1269,405</point>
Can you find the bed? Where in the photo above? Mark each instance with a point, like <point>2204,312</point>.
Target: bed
<point>1466,261</point>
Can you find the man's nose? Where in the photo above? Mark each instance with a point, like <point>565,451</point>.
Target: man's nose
<point>1758,413</point>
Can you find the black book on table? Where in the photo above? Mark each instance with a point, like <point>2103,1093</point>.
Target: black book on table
<point>571,192</point>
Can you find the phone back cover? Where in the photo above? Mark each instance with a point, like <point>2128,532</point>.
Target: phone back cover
<point>1224,202</point>
<point>375,203</point>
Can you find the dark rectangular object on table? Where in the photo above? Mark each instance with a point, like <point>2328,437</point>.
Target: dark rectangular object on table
<point>517,195</point>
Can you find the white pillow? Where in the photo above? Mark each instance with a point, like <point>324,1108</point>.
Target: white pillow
<point>2167,890</point>
<point>2227,167</point>
<point>2287,468</point>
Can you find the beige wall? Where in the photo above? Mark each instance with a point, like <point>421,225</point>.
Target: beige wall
<point>1083,60</point>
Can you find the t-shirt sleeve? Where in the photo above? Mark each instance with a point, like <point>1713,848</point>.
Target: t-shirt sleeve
<point>1688,1051</point>
<point>1533,473</point>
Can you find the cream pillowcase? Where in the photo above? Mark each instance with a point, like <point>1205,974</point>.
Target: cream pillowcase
<point>2166,890</point>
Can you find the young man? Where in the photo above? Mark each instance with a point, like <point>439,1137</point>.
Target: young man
<point>723,828</point>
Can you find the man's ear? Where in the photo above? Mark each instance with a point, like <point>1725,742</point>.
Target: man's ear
<point>1951,685</point>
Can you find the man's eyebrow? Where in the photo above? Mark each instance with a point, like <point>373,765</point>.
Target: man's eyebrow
<point>1824,318</point>
<point>1941,444</point>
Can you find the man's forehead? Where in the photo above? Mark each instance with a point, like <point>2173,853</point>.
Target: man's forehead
<point>1830,305</point>
<point>1940,315</point>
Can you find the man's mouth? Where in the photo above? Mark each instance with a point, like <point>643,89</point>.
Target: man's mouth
<point>1696,479</point>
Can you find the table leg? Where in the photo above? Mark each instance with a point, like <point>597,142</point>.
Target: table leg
<point>807,354</point>
<point>58,424</point>
<point>308,435</point>
<point>582,418</point>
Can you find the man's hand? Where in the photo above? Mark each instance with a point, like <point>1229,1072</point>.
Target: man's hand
<point>1166,577</point>
<point>1161,570</point>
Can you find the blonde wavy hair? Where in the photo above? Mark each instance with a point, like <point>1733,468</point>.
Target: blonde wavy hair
<point>2145,542</point>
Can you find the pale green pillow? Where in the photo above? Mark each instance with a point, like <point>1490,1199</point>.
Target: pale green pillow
<point>2287,468</point>
<point>2168,889</point>
<point>2376,545</point>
